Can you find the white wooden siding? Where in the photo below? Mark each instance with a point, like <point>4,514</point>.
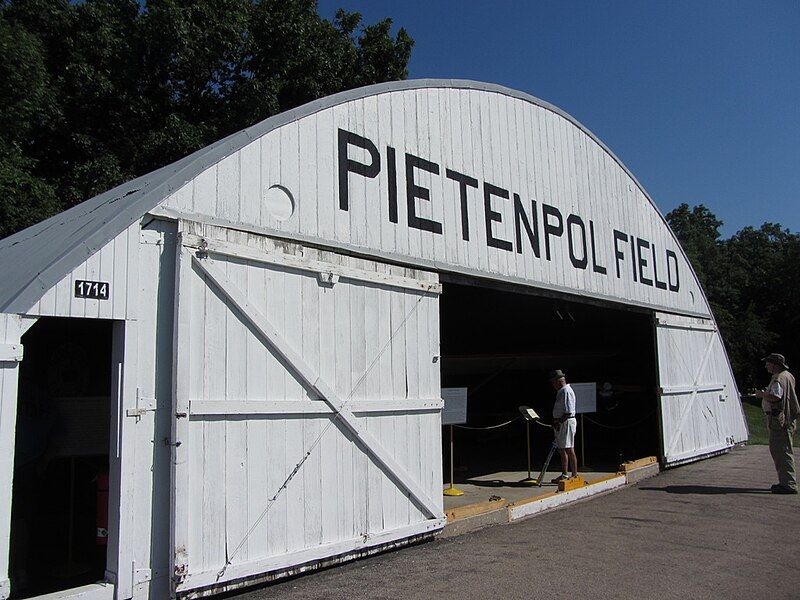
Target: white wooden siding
<point>701,412</point>
<point>114,263</point>
<point>509,142</point>
<point>252,419</point>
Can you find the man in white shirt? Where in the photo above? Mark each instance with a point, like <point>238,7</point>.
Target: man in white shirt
<point>564,424</point>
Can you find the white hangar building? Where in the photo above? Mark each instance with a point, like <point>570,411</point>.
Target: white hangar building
<point>251,342</point>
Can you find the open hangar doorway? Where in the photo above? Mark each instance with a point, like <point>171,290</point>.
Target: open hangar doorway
<point>59,512</point>
<point>501,340</point>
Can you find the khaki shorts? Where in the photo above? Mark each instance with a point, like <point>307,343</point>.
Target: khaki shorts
<point>565,436</point>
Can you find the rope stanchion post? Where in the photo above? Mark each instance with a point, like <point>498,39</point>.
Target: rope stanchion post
<point>583,445</point>
<point>528,480</point>
<point>452,490</point>
<point>528,415</point>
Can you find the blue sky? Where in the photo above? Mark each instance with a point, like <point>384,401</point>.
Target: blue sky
<point>701,100</point>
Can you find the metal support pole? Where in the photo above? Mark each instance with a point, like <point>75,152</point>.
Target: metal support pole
<point>452,490</point>
<point>583,446</point>
<point>528,436</point>
<point>529,480</point>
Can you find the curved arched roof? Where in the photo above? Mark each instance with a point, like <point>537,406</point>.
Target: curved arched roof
<point>35,259</point>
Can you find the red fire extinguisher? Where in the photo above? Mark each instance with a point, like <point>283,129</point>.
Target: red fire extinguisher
<point>102,509</point>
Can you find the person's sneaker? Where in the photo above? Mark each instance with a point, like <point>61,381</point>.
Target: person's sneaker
<point>561,477</point>
<point>779,489</point>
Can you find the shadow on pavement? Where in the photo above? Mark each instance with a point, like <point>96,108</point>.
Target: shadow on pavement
<point>707,490</point>
<point>500,483</point>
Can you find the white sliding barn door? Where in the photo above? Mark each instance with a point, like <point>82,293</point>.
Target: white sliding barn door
<point>701,412</point>
<point>307,410</point>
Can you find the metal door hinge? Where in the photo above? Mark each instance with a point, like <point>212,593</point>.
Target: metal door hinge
<point>142,576</point>
<point>11,352</point>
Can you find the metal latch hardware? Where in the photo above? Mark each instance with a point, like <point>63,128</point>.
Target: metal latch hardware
<point>143,405</point>
<point>327,278</point>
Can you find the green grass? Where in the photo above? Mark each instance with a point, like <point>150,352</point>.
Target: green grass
<point>757,423</point>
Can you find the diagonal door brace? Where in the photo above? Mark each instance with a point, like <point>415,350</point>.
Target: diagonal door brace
<point>687,410</point>
<point>269,334</point>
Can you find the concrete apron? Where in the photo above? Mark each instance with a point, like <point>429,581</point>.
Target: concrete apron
<point>501,498</point>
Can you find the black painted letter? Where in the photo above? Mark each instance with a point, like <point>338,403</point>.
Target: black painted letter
<point>578,263</point>
<point>414,191</point>
<point>596,266</point>
<point>347,165</point>
<point>490,190</point>
<point>521,218</point>
<point>556,229</point>
<point>662,285</point>
<point>463,182</point>
<point>620,256</point>
<point>673,287</point>
<point>391,171</point>
<point>642,261</point>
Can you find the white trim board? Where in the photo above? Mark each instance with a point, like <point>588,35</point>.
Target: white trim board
<point>537,506</point>
<point>200,408</point>
<point>228,249</point>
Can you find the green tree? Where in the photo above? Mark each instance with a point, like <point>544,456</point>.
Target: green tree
<point>768,259</point>
<point>751,281</point>
<point>698,231</point>
<point>27,104</point>
<point>95,93</point>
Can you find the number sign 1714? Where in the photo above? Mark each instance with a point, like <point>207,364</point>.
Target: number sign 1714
<point>97,290</point>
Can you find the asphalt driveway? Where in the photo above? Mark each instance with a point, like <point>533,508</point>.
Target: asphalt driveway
<point>705,530</point>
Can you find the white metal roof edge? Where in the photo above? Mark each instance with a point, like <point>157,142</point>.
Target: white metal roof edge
<point>25,281</point>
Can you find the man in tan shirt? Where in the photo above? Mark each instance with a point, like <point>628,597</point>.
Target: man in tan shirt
<point>779,402</point>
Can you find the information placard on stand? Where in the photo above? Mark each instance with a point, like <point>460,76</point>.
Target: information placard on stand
<point>585,397</point>
<point>585,402</point>
<point>454,412</point>
<point>455,406</point>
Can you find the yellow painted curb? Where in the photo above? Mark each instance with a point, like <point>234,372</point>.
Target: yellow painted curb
<point>479,508</point>
<point>487,506</point>
<point>573,483</point>
<point>631,465</point>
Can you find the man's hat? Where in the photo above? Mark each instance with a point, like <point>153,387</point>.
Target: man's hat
<point>777,359</point>
<point>557,374</point>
